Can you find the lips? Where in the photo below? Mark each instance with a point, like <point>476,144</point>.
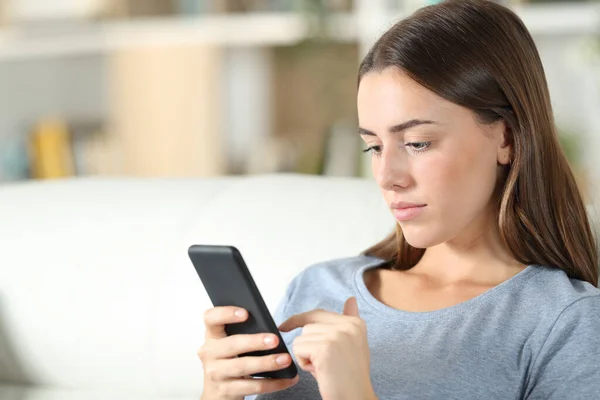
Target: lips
<point>399,205</point>
<point>406,211</point>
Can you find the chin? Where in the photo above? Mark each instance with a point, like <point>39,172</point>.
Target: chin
<point>421,238</point>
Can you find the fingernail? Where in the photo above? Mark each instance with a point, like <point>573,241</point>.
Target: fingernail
<point>282,360</point>
<point>240,313</point>
<point>269,340</point>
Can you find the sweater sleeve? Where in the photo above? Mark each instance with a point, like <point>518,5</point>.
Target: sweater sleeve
<point>568,364</point>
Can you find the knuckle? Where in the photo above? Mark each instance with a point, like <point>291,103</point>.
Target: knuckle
<point>245,343</point>
<point>261,364</point>
<point>338,335</point>
<point>242,366</point>
<point>202,353</point>
<point>239,368</point>
<point>270,363</point>
<point>355,325</point>
<point>208,315</point>
<point>211,371</point>
<point>360,323</point>
<point>251,343</point>
<point>357,328</point>
<point>360,327</point>
<point>257,386</point>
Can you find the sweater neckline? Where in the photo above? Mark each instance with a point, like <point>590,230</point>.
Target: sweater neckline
<point>513,283</point>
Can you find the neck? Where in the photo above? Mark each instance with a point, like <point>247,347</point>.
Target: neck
<point>477,255</point>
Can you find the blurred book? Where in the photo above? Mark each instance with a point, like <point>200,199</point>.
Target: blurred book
<point>14,160</point>
<point>140,8</point>
<point>95,150</point>
<point>269,155</point>
<point>50,150</point>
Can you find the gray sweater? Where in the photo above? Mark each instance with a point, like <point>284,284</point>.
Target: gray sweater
<point>535,336</point>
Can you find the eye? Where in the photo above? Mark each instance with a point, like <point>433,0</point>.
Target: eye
<point>418,147</point>
<point>374,150</point>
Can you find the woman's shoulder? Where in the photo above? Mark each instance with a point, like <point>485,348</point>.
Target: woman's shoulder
<point>328,280</point>
<point>561,284</point>
<point>552,287</point>
<point>340,270</point>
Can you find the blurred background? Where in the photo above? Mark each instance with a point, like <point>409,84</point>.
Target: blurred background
<point>198,88</point>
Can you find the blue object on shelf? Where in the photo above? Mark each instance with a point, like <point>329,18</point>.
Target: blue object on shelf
<point>14,158</point>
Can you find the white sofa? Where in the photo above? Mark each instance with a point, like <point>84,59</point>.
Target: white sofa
<point>98,299</point>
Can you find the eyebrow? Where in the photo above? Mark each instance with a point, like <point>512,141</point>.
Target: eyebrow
<point>400,127</point>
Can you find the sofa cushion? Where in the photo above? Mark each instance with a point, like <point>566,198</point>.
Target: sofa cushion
<point>80,266</point>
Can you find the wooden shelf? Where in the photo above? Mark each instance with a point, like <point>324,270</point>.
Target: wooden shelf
<point>269,29</point>
<point>235,30</point>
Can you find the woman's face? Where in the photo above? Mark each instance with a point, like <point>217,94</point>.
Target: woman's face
<point>429,151</point>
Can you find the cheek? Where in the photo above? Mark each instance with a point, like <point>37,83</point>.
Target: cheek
<point>457,179</point>
<point>439,176</point>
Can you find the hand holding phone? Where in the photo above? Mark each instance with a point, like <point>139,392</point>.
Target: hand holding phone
<point>227,376</point>
<point>235,349</point>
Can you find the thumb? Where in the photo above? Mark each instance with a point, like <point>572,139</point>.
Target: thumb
<point>351,307</point>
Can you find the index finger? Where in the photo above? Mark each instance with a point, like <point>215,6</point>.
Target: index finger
<point>216,318</point>
<point>311,317</point>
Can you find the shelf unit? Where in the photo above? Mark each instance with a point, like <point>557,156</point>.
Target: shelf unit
<point>266,29</point>
<point>242,39</point>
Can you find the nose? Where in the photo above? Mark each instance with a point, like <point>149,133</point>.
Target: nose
<point>391,169</point>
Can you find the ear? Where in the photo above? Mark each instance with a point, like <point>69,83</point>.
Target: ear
<point>505,144</point>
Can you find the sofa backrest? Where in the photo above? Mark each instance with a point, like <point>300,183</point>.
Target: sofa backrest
<point>97,291</point>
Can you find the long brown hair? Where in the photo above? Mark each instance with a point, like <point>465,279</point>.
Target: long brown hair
<point>479,54</point>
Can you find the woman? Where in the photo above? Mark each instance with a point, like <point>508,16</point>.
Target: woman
<point>487,289</point>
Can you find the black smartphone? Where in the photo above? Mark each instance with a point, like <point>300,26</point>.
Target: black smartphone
<point>228,282</point>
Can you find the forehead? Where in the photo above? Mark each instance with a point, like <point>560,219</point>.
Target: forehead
<point>392,92</point>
